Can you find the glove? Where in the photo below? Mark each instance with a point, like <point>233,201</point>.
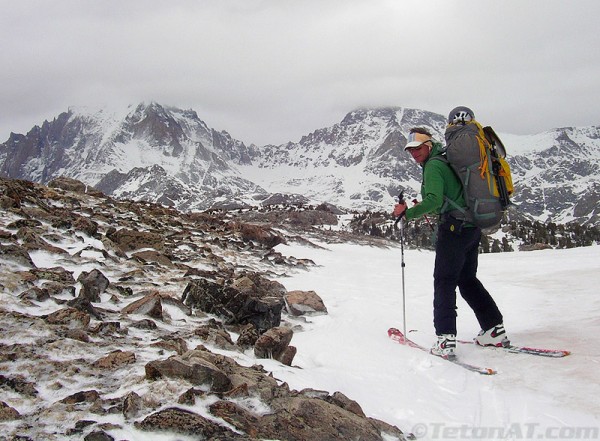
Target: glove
<point>399,210</point>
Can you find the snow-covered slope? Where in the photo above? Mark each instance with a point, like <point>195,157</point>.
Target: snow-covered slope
<point>540,398</point>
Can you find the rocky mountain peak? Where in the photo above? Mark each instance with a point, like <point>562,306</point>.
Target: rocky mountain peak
<point>356,164</point>
<point>155,125</point>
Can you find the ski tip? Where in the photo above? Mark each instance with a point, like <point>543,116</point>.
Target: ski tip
<point>397,335</point>
<point>395,331</point>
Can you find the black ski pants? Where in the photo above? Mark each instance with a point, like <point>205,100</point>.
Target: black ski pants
<point>456,259</point>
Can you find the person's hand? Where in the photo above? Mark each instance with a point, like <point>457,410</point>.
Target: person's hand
<point>399,210</point>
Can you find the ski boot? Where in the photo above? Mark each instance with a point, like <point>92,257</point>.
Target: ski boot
<point>445,346</point>
<point>495,336</point>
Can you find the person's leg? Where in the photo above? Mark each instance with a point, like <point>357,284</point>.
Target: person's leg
<point>471,289</point>
<point>449,260</point>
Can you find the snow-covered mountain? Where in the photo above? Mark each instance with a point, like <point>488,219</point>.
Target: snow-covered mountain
<point>168,155</point>
<point>358,163</point>
<point>151,152</point>
<point>557,174</point>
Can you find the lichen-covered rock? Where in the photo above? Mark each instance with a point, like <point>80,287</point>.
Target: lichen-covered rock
<point>130,240</point>
<point>197,371</point>
<point>245,299</point>
<point>186,422</point>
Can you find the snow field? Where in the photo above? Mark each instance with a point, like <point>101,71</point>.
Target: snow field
<point>548,299</point>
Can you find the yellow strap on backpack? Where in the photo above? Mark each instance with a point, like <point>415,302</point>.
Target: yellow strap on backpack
<point>484,146</point>
<point>485,163</point>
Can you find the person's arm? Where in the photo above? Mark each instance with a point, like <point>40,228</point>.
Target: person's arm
<point>433,192</point>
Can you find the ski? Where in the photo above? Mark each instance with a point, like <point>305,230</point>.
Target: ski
<point>513,349</point>
<point>399,337</point>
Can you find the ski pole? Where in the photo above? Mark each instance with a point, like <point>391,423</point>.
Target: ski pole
<point>401,220</point>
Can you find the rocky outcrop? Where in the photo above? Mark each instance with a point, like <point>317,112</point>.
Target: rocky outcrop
<point>131,316</point>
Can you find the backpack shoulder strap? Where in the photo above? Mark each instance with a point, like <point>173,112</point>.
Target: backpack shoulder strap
<point>441,157</point>
<point>449,205</point>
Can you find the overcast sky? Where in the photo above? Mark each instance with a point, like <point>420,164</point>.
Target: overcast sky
<point>271,71</point>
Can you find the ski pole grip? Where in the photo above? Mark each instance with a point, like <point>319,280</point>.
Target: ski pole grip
<point>400,201</point>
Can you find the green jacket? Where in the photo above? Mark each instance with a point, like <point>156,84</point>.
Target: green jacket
<point>439,180</point>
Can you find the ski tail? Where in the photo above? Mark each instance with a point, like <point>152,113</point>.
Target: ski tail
<point>552,353</point>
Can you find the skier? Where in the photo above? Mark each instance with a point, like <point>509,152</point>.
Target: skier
<point>456,250</point>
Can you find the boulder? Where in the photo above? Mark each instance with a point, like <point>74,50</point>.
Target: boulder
<point>274,344</point>
<point>261,235</point>
<point>246,299</point>
<point>17,254</point>
<point>70,184</point>
<point>304,303</point>
<point>115,360</point>
<point>129,240</point>
<point>304,418</point>
<point>85,225</point>
<point>69,317</point>
<point>93,284</point>
<point>152,305</point>
<point>196,370</point>
<point>186,422</point>
<point>56,274</point>
<point>8,413</point>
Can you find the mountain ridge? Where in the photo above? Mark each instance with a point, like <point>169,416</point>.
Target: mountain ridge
<point>169,155</point>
